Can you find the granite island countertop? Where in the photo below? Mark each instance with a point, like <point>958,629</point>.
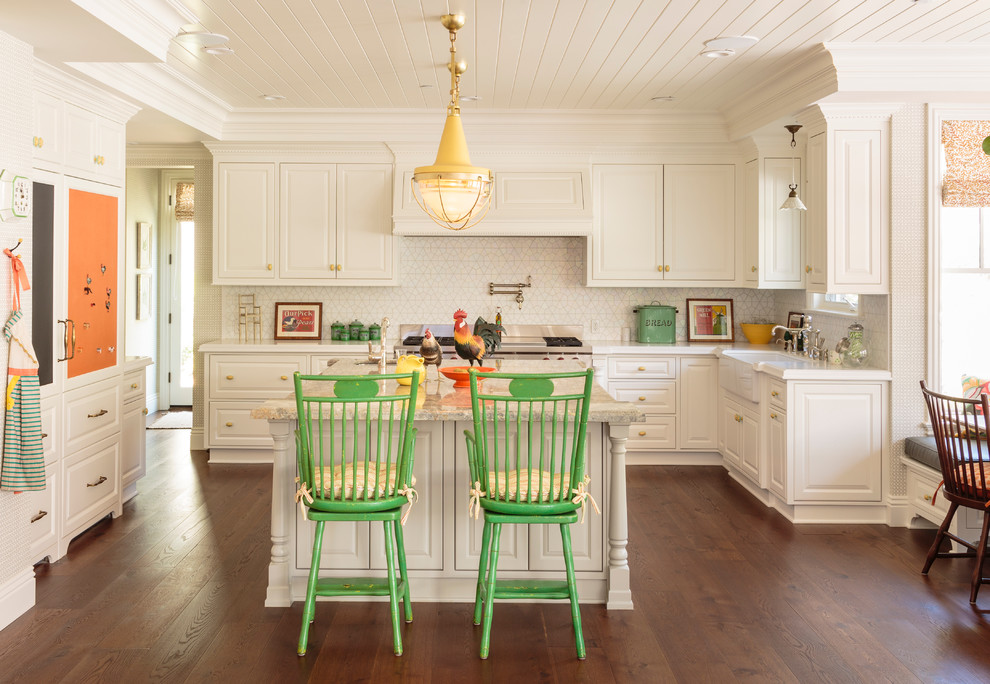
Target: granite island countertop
<point>439,400</point>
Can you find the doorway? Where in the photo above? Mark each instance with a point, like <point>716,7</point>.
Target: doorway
<point>177,294</point>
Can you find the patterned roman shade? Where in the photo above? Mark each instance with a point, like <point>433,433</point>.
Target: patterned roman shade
<point>184,193</point>
<point>966,182</point>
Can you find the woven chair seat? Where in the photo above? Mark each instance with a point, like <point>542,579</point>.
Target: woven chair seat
<point>533,485</point>
<point>352,481</point>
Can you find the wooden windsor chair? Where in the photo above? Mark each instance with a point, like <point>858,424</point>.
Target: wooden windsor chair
<point>527,462</point>
<point>960,427</point>
<point>354,449</point>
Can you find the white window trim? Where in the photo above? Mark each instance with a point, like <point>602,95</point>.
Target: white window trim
<point>816,302</point>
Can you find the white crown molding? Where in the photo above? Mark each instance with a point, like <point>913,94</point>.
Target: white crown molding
<point>160,87</point>
<point>911,67</point>
<point>68,87</point>
<point>150,24</point>
<point>154,155</point>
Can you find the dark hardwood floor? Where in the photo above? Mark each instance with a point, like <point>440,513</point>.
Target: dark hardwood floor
<point>725,589</point>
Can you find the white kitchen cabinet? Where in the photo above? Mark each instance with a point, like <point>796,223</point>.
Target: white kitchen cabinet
<point>775,255</point>
<point>741,436</point>
<point>132,432</point>
<point>776,432</point>
<point>332,223</point>
<point>662,224</point>
<point>697,379</point>
<point>94,145</point>
<point>46,140</point>
<point>848,200</point>
<point>244,239</point>
<point>837,441</point>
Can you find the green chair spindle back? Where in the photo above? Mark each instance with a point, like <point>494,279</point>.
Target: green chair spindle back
<point>528,446</point>
<point>355,440</point>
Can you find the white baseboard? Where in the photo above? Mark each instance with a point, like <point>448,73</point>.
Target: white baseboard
<point>241,455</point>
<point>196,439</point>
<point>16,596</point>
<point>705,458</point>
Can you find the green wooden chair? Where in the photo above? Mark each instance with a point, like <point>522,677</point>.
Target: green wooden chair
<point>354,448</point>
<point>527,464</point>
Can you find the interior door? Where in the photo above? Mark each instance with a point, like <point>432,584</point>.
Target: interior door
<point>178,301</point>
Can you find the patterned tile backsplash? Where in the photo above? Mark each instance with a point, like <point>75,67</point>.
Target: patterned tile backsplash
<point>438,275</point>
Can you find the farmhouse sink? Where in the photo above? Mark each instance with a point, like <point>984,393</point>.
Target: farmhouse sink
<point>737,369</point>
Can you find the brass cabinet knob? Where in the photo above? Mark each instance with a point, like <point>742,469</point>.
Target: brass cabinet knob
<point>774,393</point>
<point>332,266</point>
<point>285,377</point>
<point>229,424</point>
<point>642,368</point>
<point>134,385</point>
<point>928,497</point>
<point>738,418</point>
<point>666,268</point>
<point>807,269</point>
<point>752,269</point>
<point>642,433</point>
<point>773,416</point>
<point>41,142</point>
<point>269,267</point>
<point>144,411</point>
<point>339,267</point>
<point>660,268</point>
<point>642,398</point>
<point>230,377</point>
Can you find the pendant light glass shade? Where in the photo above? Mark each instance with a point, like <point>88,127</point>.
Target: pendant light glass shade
<point>793,201</point>
<point>452,192</point>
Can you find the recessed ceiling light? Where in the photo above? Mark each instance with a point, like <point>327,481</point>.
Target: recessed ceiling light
<point>273,97</point>
<point>470,98</point>
<point>715,54</point>
<point>731,42</point>
<point>218,50</point>
<point>662,98</point>
<point>201,38</point>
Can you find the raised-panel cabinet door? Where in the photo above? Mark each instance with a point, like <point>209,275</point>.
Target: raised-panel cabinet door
<point>626,243</point>
<point>750,456</point>
<point>110,150</point>
<point>777,447</point>
<point>751,223</point>
<point>858,244</point>
<point>80,140</point>
<point>838,441</point>
<point>815,268</point>
<point>699,222</point>
<point>698,386</point>
<point>365,246</point>
<point>245,235</point>
<point>730,431</point>
<point>46,139</point>
<point>132,442</point>
<point>307,227</point>
<point>783,249</point>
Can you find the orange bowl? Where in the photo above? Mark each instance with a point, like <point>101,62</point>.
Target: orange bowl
<point>459,374</point>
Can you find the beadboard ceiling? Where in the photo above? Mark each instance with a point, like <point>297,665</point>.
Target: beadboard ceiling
<point>523,55</point>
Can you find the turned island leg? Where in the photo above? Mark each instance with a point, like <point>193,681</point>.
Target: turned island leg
<point>619,594</point>
<point>283,474</point>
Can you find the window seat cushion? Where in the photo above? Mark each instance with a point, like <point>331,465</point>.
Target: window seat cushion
<point>922,450</point>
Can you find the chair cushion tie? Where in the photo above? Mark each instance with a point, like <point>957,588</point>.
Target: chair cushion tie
<point>412,497</point>
<point>582,496</point>
<point>474,505</point>
<point>303,492</point>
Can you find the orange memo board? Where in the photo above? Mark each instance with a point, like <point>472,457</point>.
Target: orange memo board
<point>92,281</point>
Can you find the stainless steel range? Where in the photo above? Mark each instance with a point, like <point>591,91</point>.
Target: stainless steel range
<point>549,342</point>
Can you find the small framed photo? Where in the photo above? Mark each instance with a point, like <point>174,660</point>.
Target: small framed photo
<point>143,244</point>
<point>795,319</point>
<point>710,320</point>
<point>298,321</point>
<point>143,296</point>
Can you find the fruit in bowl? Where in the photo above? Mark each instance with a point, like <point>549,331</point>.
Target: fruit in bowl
<point>757,333</point>
<point>459,374</point>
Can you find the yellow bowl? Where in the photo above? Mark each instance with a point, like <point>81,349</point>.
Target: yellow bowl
<point>758,333</point>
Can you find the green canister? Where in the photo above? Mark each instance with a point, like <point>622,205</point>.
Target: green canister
<point>374,332</point>
<point>656,323</point>
<point>356,327</point>
<point>336,328</point>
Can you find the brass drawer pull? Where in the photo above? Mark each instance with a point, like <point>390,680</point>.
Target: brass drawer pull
<point>102,412</point>
<point>134,385</point>
<point>103,478</point>
<point>773,416</point>
<point>928,497</point>
<point>642,368</point>
<point>339,267</point>
<point>229,424</point>
<point>738,418</point>
<point>642,398</point>
<point>285,377</point>
<point>752,269</point>
<point>642,433</point>
<point>269,267</point>
<point>39,516</point>
<point>807,269</point>
<point>44,435</point>
<point>774,394</point>
<point>332,267</point>
<point>230,377</point>
<point>144,411</point>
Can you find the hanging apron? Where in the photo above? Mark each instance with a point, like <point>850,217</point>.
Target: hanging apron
<point>23,465</point>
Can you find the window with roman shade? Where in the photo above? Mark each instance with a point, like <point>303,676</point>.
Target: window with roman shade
<point>966,182</point>
<point>184,195</point>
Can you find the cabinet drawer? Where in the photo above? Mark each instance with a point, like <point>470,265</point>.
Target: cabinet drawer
<point>920,490</point>
<point>777,392</point>
<point>91,413</point>
<point>652,397</point>
<point>253,377</point>
<point>132,385</point>
<point>638,367</point>
<point>231,424</point>
<point>92,484</point>
<point>41,516</point>
<point>658,432</point>
<point>49,426</point>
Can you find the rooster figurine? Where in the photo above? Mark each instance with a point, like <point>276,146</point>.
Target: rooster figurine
<point>430,351</point>
<point>469,347</point>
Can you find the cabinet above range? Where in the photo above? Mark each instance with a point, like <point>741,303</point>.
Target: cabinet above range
<point>303,219</point>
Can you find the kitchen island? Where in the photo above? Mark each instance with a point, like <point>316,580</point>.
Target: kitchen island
<point>442,542</point>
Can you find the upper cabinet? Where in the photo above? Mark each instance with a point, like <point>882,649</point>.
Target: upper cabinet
<point>303,223</point>
<point>774,255</point>
<point>671,224</point>
<point>848,191</point>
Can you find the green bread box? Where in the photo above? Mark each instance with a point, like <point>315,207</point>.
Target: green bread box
<point>656,323</point>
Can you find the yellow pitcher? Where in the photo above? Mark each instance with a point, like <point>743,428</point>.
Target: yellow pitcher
<point>410,363</point>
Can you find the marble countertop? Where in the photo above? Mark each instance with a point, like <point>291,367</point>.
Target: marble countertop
<point>440,400</point>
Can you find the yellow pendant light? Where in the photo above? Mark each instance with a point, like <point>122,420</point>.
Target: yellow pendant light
<point>452,192</point>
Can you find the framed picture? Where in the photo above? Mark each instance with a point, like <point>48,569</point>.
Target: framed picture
<point>298,321</point>
<point>795,319</point>
<point>143,244</point>
<point>143,296</point>
<point>710,320</point>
